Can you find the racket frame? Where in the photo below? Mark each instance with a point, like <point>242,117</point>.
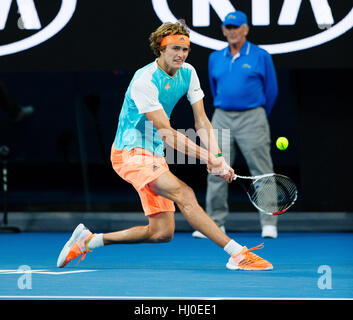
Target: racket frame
<point>255,178</point>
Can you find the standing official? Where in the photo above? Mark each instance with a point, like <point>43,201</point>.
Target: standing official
<point>244,87</point>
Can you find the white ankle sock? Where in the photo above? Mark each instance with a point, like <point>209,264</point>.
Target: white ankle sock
<point>96,241</point>
<point>232,247</point>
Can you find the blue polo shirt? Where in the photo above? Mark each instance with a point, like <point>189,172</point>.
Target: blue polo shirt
<point>244,81</point>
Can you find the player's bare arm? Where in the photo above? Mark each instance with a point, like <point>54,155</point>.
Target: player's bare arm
<point>205,131</point>
<point>179,141</point>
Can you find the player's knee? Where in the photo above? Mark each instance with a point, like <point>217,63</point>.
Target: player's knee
<point>163,236</point>
<point>166,237</point>
<point>186,196</point>
<point>187,199</point>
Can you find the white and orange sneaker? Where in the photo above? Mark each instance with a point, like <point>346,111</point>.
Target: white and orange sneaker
<point>246,260</point>
<point>76,246</point>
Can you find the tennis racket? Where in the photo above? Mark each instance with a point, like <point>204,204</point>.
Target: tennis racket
<point>270,193</point>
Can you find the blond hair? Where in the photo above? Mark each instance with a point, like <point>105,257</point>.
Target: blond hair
<point>167,29</point>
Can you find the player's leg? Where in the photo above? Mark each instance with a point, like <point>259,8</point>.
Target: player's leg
<point>160,228</point>
<point>170,187</point>
<point>139,168</point>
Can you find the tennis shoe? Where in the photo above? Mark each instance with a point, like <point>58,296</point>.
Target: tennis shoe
<point>269,231</point>
<point>199,235</point>
<point>76,246</point>
<point>246,260</point>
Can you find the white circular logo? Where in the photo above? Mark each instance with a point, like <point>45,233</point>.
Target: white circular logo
<point>165,15</point>
<point>64,15</point>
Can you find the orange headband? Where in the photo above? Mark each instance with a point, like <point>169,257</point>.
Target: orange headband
<point>175,39</point>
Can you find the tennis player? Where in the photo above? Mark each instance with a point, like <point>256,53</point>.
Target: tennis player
<point>137,155</point>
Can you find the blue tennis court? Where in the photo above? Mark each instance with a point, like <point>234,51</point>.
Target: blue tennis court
<point>306,266</point>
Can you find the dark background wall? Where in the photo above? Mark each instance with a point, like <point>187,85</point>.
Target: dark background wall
<point>77,80</point>
<point>103,35</point>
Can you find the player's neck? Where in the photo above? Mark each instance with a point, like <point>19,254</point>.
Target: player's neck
<point>166,68</point>
<point>235,47</point>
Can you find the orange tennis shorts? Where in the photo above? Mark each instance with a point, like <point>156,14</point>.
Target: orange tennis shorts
<point>140,167</point>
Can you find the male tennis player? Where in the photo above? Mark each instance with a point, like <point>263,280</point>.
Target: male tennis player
<point>137,155</point>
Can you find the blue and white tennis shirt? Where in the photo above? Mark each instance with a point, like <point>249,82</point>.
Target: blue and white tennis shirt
<point>152,89</point>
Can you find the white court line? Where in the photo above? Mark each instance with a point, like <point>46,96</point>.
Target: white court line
<point>160,298</point>
<point>42,271</point>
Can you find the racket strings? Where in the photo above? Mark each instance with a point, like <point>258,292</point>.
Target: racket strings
<point>273,194</point>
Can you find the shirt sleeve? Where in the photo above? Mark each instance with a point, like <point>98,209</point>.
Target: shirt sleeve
<point>195,92</point>
<point>145,95</point>
<point>270,83</point>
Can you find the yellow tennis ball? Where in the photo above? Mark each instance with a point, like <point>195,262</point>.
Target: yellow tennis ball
<point>282,143</point>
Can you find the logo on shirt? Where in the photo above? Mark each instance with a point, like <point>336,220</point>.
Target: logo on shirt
<point>261,14</point>
<point>30,20</point>
<point>247,66</point>
<point>167,86</point>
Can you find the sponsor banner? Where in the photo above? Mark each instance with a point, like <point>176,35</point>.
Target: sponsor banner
<point>68,35</point>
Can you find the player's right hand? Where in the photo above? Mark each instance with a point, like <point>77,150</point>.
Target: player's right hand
<point>218,167</point>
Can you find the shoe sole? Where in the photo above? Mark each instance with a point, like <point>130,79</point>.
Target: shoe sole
<point>269,237</point>
<point>231,266</point>
<point>64,252</point>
